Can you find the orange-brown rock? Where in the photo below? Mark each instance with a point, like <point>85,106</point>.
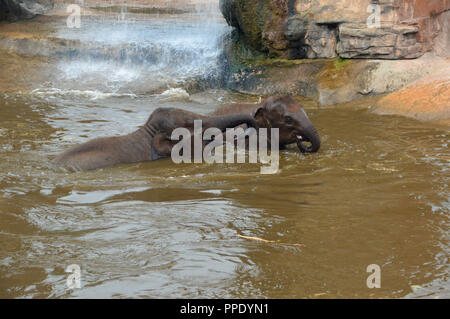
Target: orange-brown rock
<point>427,99</point>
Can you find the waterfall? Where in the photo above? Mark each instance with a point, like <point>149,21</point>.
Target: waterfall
<point>141,47</point>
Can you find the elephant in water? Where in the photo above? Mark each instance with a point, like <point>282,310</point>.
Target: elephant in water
<point>284,113</point>
<point>148,143</point>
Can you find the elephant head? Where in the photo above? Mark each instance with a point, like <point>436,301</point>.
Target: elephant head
<point>284,113</point>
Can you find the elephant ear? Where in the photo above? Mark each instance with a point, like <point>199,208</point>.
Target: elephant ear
<point>161,146</point>
<point>261,117</point>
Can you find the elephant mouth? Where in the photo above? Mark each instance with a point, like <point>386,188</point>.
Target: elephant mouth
<point>305,144</point>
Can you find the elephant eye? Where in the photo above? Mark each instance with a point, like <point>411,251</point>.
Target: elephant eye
<point>289,120</point>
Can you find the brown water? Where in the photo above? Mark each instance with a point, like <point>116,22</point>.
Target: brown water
<point>376,193</point>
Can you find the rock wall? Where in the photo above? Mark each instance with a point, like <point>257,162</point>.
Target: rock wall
<point>296,29</point>
<point>13,10</point>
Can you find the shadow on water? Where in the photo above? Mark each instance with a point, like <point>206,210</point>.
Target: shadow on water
<point>376,193</point>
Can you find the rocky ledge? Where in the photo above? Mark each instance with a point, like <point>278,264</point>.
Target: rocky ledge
<point>330,81</point>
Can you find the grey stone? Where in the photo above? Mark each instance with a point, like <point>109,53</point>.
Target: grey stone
<point>388,42</point>
<point>13,10</point>
<point>321,40</point>
<point>296,28</point>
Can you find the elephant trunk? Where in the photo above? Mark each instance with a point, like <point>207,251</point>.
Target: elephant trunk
<point>311,136</point>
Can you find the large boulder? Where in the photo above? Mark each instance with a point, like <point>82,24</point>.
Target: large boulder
<point>427,99</point>
<point>327,28</point>
<point>13,10</point>
<point>260,23</point>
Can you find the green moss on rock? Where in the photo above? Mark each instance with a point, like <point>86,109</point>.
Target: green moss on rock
<point>336,73</point>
